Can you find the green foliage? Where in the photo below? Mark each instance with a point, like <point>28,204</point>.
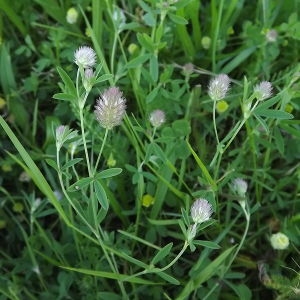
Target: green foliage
<point>93,213</point>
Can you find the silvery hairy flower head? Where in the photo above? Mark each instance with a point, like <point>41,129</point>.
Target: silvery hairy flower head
<point>201,210</point>
<point>85,57</point>
<point>218,87</point>
<point>157,118</point>
<point>110,108</point>
<point>240,186</point>
<point>263,90</point>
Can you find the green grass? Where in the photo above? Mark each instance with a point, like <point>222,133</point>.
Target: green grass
<point>93,212</point>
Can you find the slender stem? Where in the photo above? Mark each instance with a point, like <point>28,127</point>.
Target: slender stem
<point>214,122</point>
<point>84,141</point>
<point>77,82</point>
<point>101,150</point>
<point>216,35</point>
<point>176,258</point>
<point>240,126</point>
<point>114,269</point>
<point>247,216</point>
<point>113,52</point>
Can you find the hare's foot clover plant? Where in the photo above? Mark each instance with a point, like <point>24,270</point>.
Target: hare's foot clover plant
<point>167,166</point>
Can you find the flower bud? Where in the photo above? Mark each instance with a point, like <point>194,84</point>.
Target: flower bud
<point>72,15</point>
<point>279,241</point>
<point>240,186</point>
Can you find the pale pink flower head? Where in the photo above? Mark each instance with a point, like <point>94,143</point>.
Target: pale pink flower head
<point>263,90</point>
<point>218,87</point>
<point>157,118</point>
<point>110,108</point>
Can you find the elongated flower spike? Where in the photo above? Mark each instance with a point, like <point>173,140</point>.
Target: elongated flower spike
<point>110,108</point>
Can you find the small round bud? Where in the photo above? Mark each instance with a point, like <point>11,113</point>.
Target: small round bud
<point>222,106</point>
<point>72,15</point>
<point>147,200</point>
<point>206,42</point>
<point>279,241</point>
<point>133,48</point>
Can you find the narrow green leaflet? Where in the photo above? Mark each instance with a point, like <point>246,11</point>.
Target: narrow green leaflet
<point>136,62</point>
<point>71,163</point>
<point>168,278</point>
<point>146,42</point>
<point>273,113</point>
<point>178,19</point>
<point>52,163</point>
<point>162,253</point>
<point>206,244</point>
<point>101,195</point>
<point>108,173</point>
<point>110,275</point>
<point>70,87</point>
<point>81,183</point>
<point>104,77</point>
<point>64,97</point>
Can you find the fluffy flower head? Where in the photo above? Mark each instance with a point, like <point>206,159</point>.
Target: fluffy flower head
<point>263,90</point>
<point>157,118</point>
<point>218,87</point>
<point>201,210</point>
<point>110,108</point>
<point>240,186</point>
<point>279,241</point>
<point>85,57</point>
<point>271,36</point>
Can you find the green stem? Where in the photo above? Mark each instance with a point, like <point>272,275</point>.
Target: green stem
<point>101,150</point>
<point>215,34</point>
<point>214,122</point>
<point>84,141</point>
<point>247,215</point>
<point>176,258</point>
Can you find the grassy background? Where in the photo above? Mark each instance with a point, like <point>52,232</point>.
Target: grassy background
<point>162,55</point>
